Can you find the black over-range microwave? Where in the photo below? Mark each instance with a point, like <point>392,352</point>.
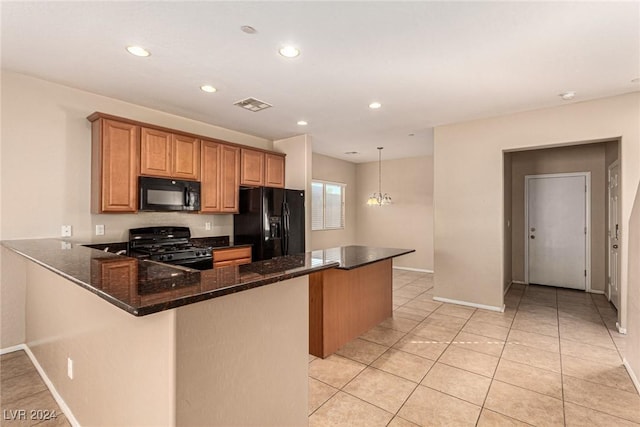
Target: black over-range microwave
<point>160,194</point>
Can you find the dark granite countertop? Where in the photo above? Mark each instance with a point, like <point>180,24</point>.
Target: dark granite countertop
<point>351,257</point>
<point>145,287</point>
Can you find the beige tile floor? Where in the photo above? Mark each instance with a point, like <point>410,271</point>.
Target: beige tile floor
<point>552,358</point>
<point>22,389</point>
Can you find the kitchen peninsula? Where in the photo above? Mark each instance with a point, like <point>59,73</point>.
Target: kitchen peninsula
<point>167,345</point>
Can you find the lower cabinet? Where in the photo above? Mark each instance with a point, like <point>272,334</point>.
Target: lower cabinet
<point>231,256</point>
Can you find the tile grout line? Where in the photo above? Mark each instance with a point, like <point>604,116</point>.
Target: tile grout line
<point>482,407</point>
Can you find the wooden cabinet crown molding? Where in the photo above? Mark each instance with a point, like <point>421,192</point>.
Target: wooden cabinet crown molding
<point>99,115</point>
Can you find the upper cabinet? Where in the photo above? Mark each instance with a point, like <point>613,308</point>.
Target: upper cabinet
<point>124,149</point>
<point>274,170</point>
<point>186,157</point>
<point>114,165</point>
<point>168,154</point>
<point>220,178</point>
<point>252,167</point>
<point>262,169</point>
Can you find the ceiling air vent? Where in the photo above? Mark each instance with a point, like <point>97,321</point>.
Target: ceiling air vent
<point>253,104</point>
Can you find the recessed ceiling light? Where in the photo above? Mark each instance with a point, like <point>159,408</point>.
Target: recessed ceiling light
<point>208,88</point>
<point>567,95</point>
<point>302,123</point>
<point>412,134</point>
<point>375,105</point>
<point>350,153</point>
<point>248,29</point>
<point>289,51</point>
<point>138,51</point>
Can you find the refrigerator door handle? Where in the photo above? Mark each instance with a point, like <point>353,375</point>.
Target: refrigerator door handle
<point>285,220</point>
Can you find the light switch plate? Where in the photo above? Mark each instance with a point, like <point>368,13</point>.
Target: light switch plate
<point>100,230</point>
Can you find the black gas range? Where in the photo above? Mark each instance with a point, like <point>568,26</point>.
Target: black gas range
<point>170,245</point>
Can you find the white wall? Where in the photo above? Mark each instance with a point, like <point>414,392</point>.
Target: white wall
<point>468,191</point>
<point>327,168</point>
<point>408,222</point>
<point>631,349</point>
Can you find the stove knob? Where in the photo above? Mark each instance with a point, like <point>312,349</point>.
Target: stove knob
<point>169,256</point>
<point>161,258</point>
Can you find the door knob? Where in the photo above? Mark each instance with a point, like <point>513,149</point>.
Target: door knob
<point>533,237</point>
<point>615,246</point>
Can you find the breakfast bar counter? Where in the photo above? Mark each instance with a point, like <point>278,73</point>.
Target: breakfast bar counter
<point>167,345</point>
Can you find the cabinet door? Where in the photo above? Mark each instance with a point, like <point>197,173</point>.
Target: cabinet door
<point>274,170</point>
<point>229,178</point>
<point>186,157</point>
<point>155,153</point>
<point>117,276</point>
<point>210,171</point>
<point>114,166</point>
<point>252,167</point>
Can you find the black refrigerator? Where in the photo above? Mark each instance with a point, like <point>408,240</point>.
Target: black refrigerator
<point>272,220</point>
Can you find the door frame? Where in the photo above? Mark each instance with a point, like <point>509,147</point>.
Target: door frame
<point>587,176</point>
<point>608,254</point>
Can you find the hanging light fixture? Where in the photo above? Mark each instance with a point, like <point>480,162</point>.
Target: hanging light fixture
<point>379,199</point>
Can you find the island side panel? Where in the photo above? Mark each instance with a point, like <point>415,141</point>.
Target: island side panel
<point>123,366</point>
<point>346,303</point>
<point>242,359</point>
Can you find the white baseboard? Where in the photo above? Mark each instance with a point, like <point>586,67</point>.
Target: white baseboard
<point>420,270</point>
<point>507,288</point>
<point>620,329</point>
<point>519,282</point>
<point>12,349</point>
<point>632,374</point>
<point>63,405</point>
<point>471,304</point>
<point>591,291</point>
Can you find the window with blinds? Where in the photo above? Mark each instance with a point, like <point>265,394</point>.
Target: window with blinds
<point>327,205</point>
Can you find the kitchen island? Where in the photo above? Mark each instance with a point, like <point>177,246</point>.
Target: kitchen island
<point>346,301</point>
<point>167,345</point>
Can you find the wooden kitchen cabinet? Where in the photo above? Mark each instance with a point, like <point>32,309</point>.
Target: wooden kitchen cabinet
<point>170,155</point>
<point>262,169</point>
<point>186,157</point>
<point>274,170</point>
<point>252,167</point>
<point>220,172</point>
<point>231,256</point>
<point>114,165</point>
<point>229,179</point>
<point>117,276</point>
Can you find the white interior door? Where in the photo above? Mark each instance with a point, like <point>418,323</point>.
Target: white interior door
<point>557,230</point>
<point>614,234</point>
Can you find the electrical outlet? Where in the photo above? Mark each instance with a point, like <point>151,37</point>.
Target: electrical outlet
<point>70,368</point>
<point>100,230</point>
<point>65,231</point>
<point>207,226</point>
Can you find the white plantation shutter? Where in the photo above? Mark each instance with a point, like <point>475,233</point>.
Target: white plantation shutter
<point>327,205</point>
<point>317,206</point>
<point>333,213</point>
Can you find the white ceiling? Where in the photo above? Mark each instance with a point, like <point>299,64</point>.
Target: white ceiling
<point>428,63</point>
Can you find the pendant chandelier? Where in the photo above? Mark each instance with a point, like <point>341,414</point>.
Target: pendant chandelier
<point>379,199</point>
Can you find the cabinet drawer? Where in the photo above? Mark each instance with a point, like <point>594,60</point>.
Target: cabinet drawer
<point>231,254</point>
